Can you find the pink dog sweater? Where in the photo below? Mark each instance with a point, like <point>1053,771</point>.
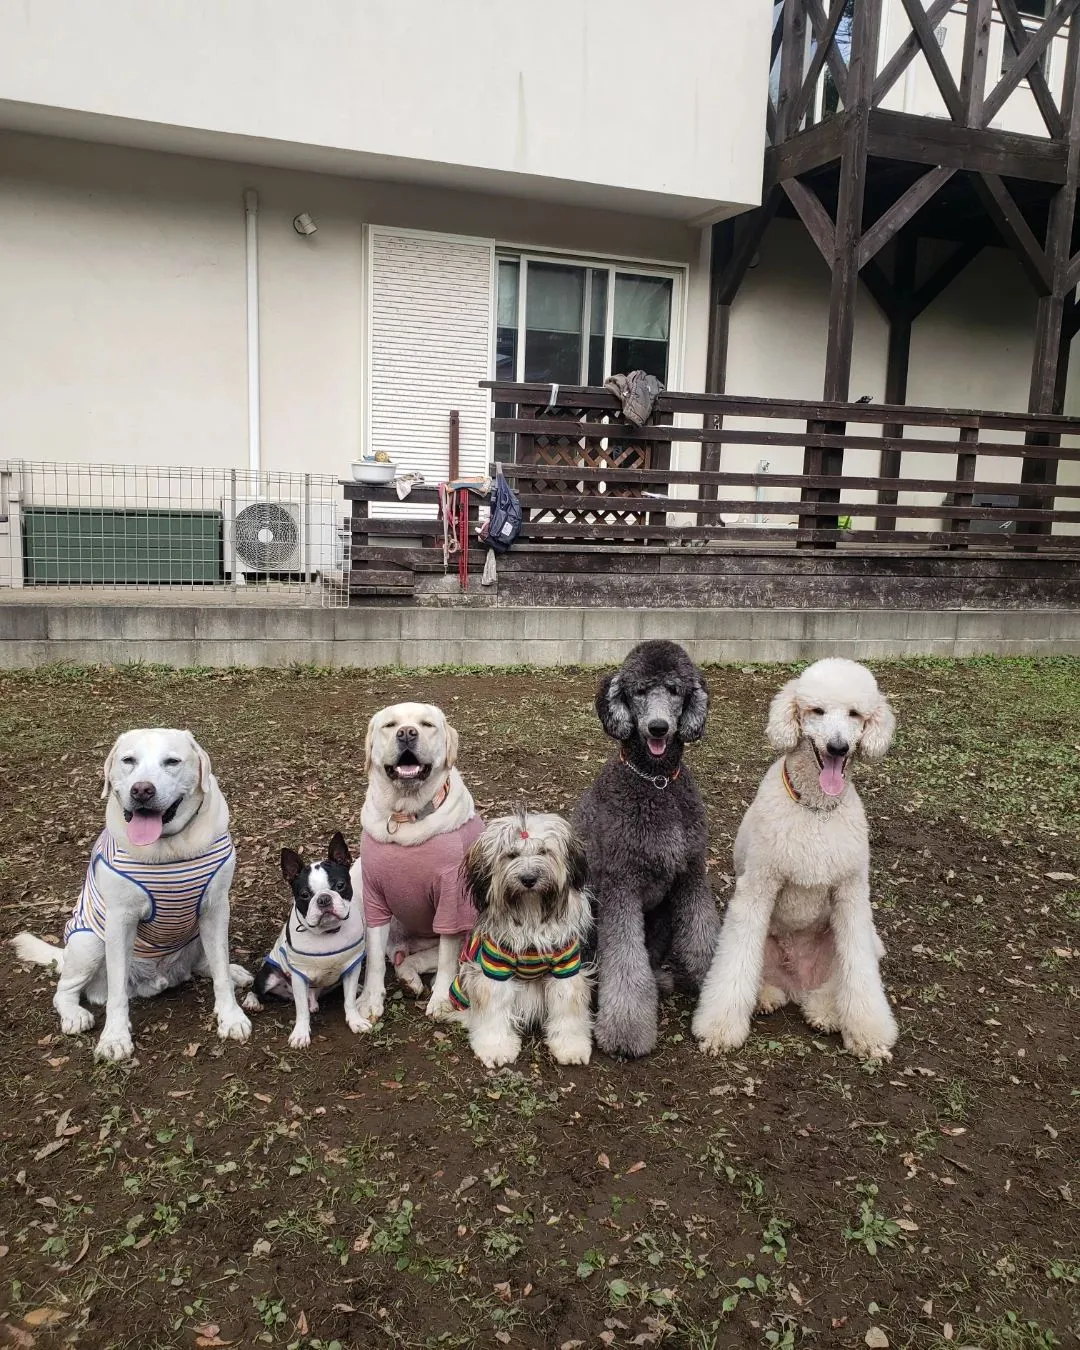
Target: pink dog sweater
<point>420,884</point>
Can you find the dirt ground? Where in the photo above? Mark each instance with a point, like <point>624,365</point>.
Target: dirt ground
<point>388,1190</point>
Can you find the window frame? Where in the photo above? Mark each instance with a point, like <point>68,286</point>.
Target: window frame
<point>613,266</point>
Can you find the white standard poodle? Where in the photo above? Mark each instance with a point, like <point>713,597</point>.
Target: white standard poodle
<point>799,926</point>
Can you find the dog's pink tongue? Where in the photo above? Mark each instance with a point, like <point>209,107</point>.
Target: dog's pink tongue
<point>144,827</point>
<point>657,747</point>
<point>831,777</point>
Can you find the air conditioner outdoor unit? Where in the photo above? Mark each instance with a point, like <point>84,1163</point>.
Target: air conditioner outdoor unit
<point>282,537</point>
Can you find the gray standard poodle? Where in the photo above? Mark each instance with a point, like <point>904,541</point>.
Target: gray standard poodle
<point>643,826</point>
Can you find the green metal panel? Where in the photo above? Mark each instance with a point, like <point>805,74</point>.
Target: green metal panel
<point>84,544</point>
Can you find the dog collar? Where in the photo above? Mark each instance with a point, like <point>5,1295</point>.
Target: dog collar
<point>792,791</point>
<point>410,817</point>
<point>658,780</point>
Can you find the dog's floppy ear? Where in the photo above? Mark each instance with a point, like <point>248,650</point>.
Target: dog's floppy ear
<point>476,874</point>
<point>877,731</point>
<point>204,763</point>
<point>107,768</point>
<point>451,746</point>
<point>338,851</point>
<point>783,727</point>
<point>612,709</point>
<point>695,710</point>
<point>369,744</point>
<point>577,861</point>
<point>291,864</point>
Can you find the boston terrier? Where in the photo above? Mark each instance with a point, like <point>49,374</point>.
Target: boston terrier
<point>322,943</point>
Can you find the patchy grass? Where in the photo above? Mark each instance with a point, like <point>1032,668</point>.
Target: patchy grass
<point>387,1189</point>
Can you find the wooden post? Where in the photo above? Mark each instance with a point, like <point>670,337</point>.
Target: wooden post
<point>897,361</point>
<point>723,248</point>
<point>843,293</point>
<point>1049,366</point>
<point>966,461</point>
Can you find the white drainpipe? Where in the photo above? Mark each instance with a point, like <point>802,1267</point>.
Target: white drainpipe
<point>251,219</point>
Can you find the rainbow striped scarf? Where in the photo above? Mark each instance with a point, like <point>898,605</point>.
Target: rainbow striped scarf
<point>500,963</point>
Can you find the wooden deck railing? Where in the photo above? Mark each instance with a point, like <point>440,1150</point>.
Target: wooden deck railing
<point>583,474</point>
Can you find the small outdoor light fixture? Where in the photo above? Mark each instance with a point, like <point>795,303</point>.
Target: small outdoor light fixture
<point>303,224</point>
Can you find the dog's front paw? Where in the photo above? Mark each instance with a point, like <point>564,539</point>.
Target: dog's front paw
<point>495,1051</point>
<point>625,1040</point>
<point>716,1036</point>
<point>252,1004</point>
<point>115,1044</point>
<point>769,999</point>
<point>439,1007</point>
<point>570,1049</point>
<point>369,1008</point>
<point>868,1048</point>
<point>355,1022</point>
<point>300,1038</point>
<point>233,1025</point>
<point>75,1022</point>
<point>409,979</point>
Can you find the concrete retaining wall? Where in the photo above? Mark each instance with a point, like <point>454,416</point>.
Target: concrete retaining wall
<point>33,634</point>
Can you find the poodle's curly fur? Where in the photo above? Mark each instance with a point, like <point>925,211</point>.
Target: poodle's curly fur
<point>643,826</point>
<point>799,926</point>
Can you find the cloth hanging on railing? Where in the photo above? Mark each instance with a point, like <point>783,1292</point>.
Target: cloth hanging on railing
<point>637,392</point>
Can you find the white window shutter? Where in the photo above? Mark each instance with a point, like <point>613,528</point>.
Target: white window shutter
<point>430,345</point>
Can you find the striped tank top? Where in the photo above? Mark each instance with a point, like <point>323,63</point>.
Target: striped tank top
<point>175,891</point>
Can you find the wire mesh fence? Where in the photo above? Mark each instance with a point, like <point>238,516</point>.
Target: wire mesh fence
<point>174,529</point>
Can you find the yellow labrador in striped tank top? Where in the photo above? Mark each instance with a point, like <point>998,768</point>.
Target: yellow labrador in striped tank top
<point>174,890</point>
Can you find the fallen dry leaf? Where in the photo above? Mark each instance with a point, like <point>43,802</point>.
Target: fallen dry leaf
<point>795,1295</point>
<point>604,1161</point>
<point>62,1122</point>
<point>81,1253</point>
<point>503,1290</point>
<point>191,1050</point>
<point>635,1167</point>
<point>22,1339</point>
<point>48,1150</point>
<point>302,1323</point>
<point>908,1225</point>
<point>1060,876</point>
<point>44,1317</point>
<point>876,1339</point>
<point>947,1331</point>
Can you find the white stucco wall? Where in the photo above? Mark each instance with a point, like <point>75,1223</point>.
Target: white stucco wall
<point>123,313</point>
<point>615,96</point>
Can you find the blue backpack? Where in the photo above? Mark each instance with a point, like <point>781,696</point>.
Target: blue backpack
<point>504,523</point>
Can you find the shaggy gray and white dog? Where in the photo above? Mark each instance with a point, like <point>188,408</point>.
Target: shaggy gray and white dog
<point>643,825</point>
<point>523,963</point>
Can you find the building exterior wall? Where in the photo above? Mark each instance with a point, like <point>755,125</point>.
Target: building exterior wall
<point>123,320</point>
<point>464,94</point>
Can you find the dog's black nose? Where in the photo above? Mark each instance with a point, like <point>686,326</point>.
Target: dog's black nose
<point>837,748</point>
<point>528,879</point>
<point>658,727</point>
<point>143,792</point>
<point>324,901</point>
<point>407,735</point>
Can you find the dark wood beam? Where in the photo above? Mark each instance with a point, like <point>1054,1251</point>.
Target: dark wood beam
<point>935,59</point>
<point>866,27</point>
<point>933,141</point>
<point>973,64</point>
<point>810,149</point>
<point>897,362</point>
<point>824,41</point>
<point>1050,360</point>
<point>1014,229</point>
<point>880,288</point>
<point>944,276</point>
<point>906,52</point>
<point>748,236</point>
<point>1020,37</point>
<point>792,49</point>
<point>818,222</point>
<point>1022,68</point>
<point>902,210</point>
<point>837,68</point>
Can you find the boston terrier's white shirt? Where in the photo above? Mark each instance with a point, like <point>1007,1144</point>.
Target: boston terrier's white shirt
<point>321,959</point>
